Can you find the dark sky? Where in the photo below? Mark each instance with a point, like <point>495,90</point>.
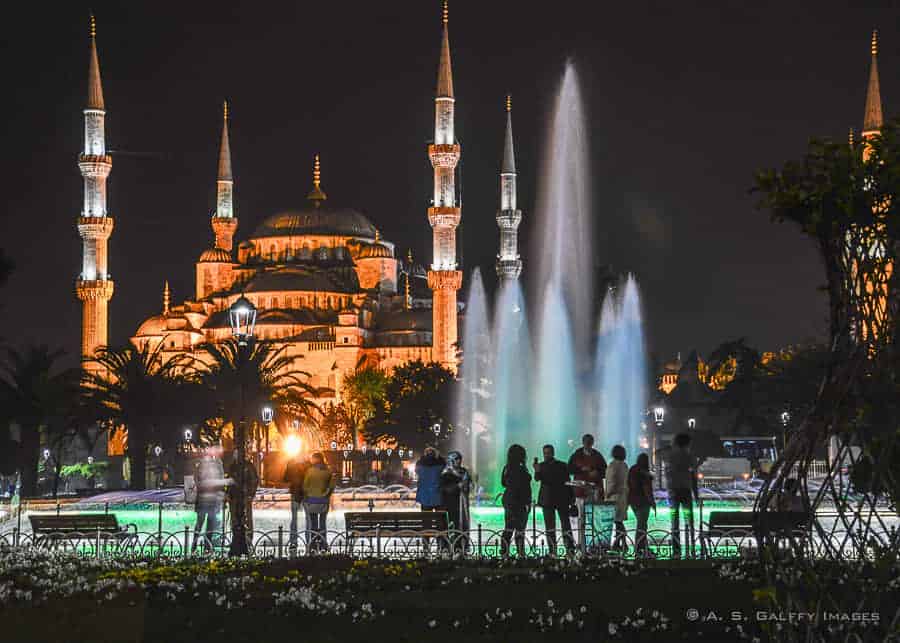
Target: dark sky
<point>685,101</point>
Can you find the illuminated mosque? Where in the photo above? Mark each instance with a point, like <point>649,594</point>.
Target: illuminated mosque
<point>325,282</point>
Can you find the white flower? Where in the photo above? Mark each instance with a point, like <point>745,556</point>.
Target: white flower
<point>432,623</point>
<point>613,629</point>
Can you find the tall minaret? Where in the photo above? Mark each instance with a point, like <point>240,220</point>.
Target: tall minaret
<point>94,287</point>
<point>224,223</point>
<point>444,215</point>
<point>873,119</point>
<point>509,264</point>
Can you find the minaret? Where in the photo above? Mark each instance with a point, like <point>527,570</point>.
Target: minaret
<point>509,264</point>
<point>94,287</point>
<point>873,119</point>
<point>166,298</point>
<point>224,223</point>
<point>444,215</point>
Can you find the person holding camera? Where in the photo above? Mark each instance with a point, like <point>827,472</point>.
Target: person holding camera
<point>555,498</point>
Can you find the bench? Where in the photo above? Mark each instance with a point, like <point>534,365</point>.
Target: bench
<point>48,529</point>
<point>395,524</point>
<point>767,526</point>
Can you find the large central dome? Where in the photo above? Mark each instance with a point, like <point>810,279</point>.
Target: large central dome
<point>320,220</point>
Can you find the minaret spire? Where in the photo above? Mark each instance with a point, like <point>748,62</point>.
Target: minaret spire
<point>873,119</point>
<point>317,195</point>
<point>166,298</point>
<point>224,223</point>
<point>444,216</point>
<point>94,287</point>
<point>509,264</point>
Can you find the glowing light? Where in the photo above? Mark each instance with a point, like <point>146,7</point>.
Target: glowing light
<point>90,459</point>
<point>692,423</point>
<point>292,445</point>
<point>46,454</point>
<point>400,452</point>
<point>267,414</point>
<point>745,476</point>
<point>157,450</point>
<point>659,414</point>
<point>333,445</point>
<point>188,435</point>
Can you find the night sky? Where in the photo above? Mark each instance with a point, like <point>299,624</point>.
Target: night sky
<point>685,101</point>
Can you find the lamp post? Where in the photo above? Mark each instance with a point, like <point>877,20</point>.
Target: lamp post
<point>267,415</point>
<point>242,315</point>
<point>785,420</point>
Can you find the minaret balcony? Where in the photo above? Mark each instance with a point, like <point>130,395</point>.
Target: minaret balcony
<point>94,289</point>
<point>444,279</point>
<point>95,227</point>
<point>444,216</point>
<point>509,219</point>
<point>95,158</point>
<point>444,155</point>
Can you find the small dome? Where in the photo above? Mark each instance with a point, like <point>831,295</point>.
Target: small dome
<point>155,325</point>
<point>375,251</point>
<point>215,255</point>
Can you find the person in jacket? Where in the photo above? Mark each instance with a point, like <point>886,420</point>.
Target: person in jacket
<point>209,478</point>
<point>617,493</point>
<point>555,497</point>
<point>318,485</point>
<point>294,473</point>
<point>516,483</point>
<point>641,500</point>
<point>428,473</point>
<point>681,484</point>
<point>588,465</point>
<point>456,484</point>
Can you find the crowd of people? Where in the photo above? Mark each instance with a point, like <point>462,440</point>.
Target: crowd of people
<point>584,485</point>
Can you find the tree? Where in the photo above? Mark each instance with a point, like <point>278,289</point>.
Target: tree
<point>417,396</point>
<point>35,394</point>
<point>363,392</point>
<point>845,198</point>
<point>137,391</point>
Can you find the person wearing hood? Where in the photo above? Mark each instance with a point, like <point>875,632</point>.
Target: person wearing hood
<point>456,484</point>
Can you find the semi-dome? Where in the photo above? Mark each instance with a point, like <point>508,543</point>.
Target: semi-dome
<point>316,221</point>
<point>155,325</point>
<point>215,255</point>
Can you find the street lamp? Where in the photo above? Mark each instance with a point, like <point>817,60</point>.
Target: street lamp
<point>188,435</point>
<point>692,423</point>
<point>785,420</point>
<point>267,414</point>
<point>242,315</point>
<point>659,415</point>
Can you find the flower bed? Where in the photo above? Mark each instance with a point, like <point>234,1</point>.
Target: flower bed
<point>59,597</point>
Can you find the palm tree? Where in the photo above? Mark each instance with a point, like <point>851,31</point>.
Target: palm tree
<point>241,378</point>
<point>364,390</point>
<point>35,393</point>
<point>138,390</point>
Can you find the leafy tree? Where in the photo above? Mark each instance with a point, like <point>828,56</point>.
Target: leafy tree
<point>417,396</point>
<point>363,391</point>
<point>137,390</point>
<point>36,394</point>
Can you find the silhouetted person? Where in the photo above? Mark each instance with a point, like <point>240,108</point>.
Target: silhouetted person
<point>428,488</point>
<point>456,484</point>
<point>588,465</point>
<point>681,483</point>
<point>209,479</point>
<point>641,500</point>
<point>293,475</point>
<point>617,492</point>
<point>555,497</point>
<point>516,483</point>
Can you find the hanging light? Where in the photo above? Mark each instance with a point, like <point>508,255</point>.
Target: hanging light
<point>242,315</point>
<point>267,414</point>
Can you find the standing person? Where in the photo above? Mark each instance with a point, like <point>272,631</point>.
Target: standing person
<point>455,487</point>
<point>555,497</point>
<point>428,488</point>
<point>516,483</point>
<point>617,493</point>
<point>293,475</point>
<point>681,484</point>
<point>251,481</point>
<point>588,465</point>
<point>640,497</point>
<point>318,485</point>
<point>209,480</point>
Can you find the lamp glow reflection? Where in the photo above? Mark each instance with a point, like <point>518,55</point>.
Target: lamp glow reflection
<point>292,445</point>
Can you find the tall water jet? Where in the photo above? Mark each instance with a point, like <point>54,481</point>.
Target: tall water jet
<point>475,373</point>
<point>510,418</point>
<point>564,286</point>
<point>621,369</point>
<point>564,211</point>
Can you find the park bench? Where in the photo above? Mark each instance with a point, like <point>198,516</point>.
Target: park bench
<point>767,526</point>
<point>395,524</point>
<point>50,529</point>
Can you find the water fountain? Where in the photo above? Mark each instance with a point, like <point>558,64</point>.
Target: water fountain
<point>547,388</point>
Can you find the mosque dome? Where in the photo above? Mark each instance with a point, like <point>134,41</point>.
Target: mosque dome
<point>316,221</point>
<point>375,251</point>
<point>215,255</point>
<point>155,325</point>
